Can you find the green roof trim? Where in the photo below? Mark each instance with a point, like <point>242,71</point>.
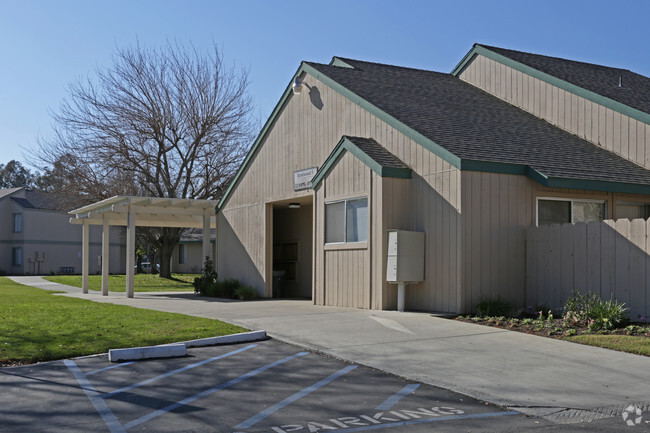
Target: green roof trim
<point>346,145</point>
<point>554,182</point>
<point>550,79</point>
<point>353,97</point>
<point>338,62</point>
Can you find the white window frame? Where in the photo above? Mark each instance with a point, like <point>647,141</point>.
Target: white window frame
<point>574,199</point>
<point>345,221</point>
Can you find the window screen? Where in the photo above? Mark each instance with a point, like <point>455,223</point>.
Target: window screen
<point>346,221</point>
<point>553,212</point>
<point>335,222</point>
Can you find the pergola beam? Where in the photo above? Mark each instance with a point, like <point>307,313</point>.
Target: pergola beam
<point>135,212</point>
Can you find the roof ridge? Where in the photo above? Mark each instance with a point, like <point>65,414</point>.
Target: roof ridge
<point>491,47</point>
<point>386,65</point>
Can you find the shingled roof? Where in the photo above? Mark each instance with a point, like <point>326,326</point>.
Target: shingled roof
<point>634,89</point>
<point>476,126</point>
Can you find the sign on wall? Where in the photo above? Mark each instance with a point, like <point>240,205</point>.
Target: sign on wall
<point>302,178</point>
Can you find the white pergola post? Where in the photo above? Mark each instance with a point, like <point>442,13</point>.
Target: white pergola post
<point>130,252</point>
<point>105,254</point>
<point>207,251</point>
<point>85,244</point>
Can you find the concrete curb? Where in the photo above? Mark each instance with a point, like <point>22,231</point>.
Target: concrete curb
<point>162,351</point>
<point>180,349</point>
<point>227,339</point>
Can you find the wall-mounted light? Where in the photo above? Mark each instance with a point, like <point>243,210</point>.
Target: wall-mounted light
<point>297,86</point>
<point>294,205</point>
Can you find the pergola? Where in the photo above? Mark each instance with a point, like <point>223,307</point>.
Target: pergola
<point>144,212</point>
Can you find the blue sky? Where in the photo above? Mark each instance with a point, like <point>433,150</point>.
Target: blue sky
<point>48,44</point>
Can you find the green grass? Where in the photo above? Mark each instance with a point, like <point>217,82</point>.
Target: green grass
<point>623,343</point>
<point>36,325</point>
<point>143,282</point>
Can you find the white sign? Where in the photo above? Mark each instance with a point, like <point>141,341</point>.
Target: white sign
<point>302,178</point>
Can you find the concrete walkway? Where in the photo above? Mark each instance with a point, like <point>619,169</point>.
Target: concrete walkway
<point>535,375</point>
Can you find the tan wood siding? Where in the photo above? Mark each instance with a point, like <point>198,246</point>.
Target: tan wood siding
<point>303,136</point>
<point>600,125</point>
<point>496,212</point>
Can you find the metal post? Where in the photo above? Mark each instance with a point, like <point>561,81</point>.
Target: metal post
<point>85,243</point>
<point>105,254</point>
<point>130,252</point>
<point>401,296</point>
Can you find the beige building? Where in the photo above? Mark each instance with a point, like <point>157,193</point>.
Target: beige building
<point>36,239</point>
<point>473,159</point>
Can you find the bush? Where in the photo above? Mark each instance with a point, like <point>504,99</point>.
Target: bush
<point>493,307</point>
<point>246,293</point>
<point>204,283</point>
<point>591,310</point>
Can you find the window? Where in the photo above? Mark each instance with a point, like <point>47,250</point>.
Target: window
<point>631,210</point>
<point>346,221</point>
<point>561,211</point>
<point>18,223</point>
<point>17,256</point>
<point>182,254</point>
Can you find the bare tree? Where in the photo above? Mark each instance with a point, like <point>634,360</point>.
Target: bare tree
<point>164,122</point>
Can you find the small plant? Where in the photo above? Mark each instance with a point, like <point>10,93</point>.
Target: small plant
<point>569,332</point>
<point>208,277</point>
<point>527,321</point>
<point>597,314</point>
<point>246,293</point>
<point>493,307</point>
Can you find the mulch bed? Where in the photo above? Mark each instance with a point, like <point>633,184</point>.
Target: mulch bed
<point>550,328</point>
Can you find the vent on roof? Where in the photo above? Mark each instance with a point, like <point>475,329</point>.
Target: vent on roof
<point>620,81</point>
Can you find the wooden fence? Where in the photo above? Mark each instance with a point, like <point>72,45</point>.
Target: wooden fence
<point>610,258</point>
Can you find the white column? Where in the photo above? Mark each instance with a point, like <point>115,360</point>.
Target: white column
<point>130,251</point>
<point>207,251</point>
<point>105,254</point>
<point>85,244</point>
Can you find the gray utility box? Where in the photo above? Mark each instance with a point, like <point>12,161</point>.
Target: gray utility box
<point>405,261</point>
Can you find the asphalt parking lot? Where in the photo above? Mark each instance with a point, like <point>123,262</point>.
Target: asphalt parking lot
<point>266,386</point>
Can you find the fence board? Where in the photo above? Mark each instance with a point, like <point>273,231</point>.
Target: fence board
<point>593,257</point>
<point>567,232</point>
<point>555,264</point>
<point>580,260</point>
<point>609,258</point>
<point>622,261</point>
<point>638,236</point>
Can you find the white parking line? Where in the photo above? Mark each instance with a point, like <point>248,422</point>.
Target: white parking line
<point>90,373</point>
<point>95,398</point>
<point>179,370</point>
<point>395,398</point>
<point>250,422</point>
<point>212,390</point>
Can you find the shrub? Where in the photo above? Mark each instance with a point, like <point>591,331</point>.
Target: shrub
<point>246,293</point>
<point>493,307</point>
<point>597,314</point>
<point>229,287</point>
<point>203,284</point>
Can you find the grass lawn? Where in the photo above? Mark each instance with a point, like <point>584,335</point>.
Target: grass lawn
<point>36,325</point>
<point>624,343</point>
<point>143,282</point>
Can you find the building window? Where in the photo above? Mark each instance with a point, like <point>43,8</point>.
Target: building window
<point>562,211</point>
<point>17,256</point>
<point>18,223</point>
<point>182,254</point>
<point>346,221</point>
<point>632,210</point>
